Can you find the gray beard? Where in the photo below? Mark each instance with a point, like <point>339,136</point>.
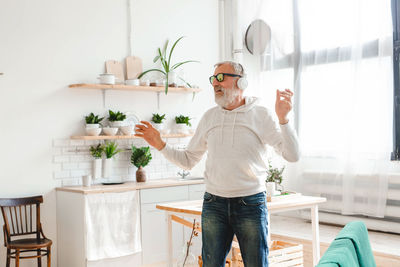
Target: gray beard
<point>228,98</point>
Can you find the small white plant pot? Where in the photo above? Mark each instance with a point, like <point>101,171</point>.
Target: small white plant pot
<point>108,168</point>
<point>92,125</point>
<point>97,168</point>
<point>159,126</point>
<point>181,128</point>
<point>271,189</point>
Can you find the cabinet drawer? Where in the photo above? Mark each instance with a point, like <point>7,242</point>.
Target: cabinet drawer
<point>164,194</point>
<point>196,191</point>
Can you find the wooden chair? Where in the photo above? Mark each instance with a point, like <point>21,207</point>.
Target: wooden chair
<point>22,218</point>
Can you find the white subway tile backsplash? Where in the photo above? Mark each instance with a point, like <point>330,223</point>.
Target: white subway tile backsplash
<point>85,165</point>
<point>79,173</point>
<point>77,142</point>
<point>72,160</point>
<point>59,159</point>
<point>77,158</point>
<point>61,174</point>
<point>60,142</point>
<point>69,166</point>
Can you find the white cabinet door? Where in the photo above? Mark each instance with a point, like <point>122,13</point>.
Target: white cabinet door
<point>154,225</point>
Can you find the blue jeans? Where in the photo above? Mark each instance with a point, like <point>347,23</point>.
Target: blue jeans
<point>246,217</point>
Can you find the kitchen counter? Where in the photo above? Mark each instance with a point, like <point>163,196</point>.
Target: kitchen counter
<point>128,186</point>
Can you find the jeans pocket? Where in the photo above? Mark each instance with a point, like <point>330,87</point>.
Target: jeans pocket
<point>208,197</point>
<point>254,200</point>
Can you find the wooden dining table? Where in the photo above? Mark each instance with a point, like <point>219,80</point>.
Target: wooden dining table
<point>176,211</point>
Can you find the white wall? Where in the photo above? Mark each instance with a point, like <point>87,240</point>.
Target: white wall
<point>46,45</point>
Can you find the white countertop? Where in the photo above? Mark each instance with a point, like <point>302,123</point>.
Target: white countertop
<point>128,186</point>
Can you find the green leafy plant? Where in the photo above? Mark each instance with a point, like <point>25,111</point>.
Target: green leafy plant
<point>116,116</point>
<point>97,151</point>
<point>167,67</point>
<point>157,118</point>
<point>140,156</point>
<point>93,119</point>
<point>111,149</point>
<point>183,120</point>
<point>274,174</point>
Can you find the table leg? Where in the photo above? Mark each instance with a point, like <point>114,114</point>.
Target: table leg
<point>169,240</point>
<point>315,231</point>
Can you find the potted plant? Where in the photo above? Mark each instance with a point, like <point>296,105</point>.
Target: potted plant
<point>168,70</point>
<point>274,178</point>
<point>93,121</point>
<point>93,124</point>
<point>157,120</point>
<point>182,124</point>
<point>110,149</point>
<point>140,158</point>
<point>116,119</point>
<point>97,152</point>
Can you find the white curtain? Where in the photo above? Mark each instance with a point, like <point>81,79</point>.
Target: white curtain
<point>337,57</point>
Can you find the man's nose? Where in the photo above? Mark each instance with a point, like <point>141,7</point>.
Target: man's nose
<point>215,82</point>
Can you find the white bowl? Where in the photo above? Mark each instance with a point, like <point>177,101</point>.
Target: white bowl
<point>110,131</point>
<point>117,123</point>
<point>127,130</point>
<point>93,131</point>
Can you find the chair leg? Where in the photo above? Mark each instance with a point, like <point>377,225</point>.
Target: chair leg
<point>39,259</point>
<point>8,258</point>
<point>48,256</point>
<point>17,258</point>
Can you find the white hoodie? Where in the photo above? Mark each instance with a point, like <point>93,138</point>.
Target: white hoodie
<point>236,142</point>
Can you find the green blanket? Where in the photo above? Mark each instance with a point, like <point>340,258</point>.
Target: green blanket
<point>341,253</point>
<point>358,234</point>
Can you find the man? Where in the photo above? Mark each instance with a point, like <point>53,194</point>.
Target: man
<point>235,134</point>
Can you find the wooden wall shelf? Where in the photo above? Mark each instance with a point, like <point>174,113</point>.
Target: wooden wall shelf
<point>119,137</point>
<point>124,87</point>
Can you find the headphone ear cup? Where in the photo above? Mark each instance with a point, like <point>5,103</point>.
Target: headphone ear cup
<point>242,83</point>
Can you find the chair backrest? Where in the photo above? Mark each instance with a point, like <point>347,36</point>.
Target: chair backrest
<point>21,216</point>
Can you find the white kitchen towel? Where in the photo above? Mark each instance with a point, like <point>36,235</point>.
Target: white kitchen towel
<point>113,225</point>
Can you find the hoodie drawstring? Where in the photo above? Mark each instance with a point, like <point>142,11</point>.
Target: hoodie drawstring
<point>233,128</point>
<point>222,127</point>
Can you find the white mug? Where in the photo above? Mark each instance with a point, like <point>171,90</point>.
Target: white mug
<point>107,78</point>
<point>135,82</point>
<point>86,180</point>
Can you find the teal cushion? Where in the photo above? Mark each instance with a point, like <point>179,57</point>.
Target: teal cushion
<point>357,232</point>
<point>341,253</point>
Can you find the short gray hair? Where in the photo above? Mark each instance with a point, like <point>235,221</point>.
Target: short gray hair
<point>236,66</point>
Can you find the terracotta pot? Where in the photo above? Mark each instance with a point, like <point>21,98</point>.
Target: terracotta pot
<point>140,175</point>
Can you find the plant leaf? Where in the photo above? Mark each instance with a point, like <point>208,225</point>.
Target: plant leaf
<point>181,63</point>
<point>147,71</point>
<point>165,48</point>
<point>172,49</point>
<point>156,58</point>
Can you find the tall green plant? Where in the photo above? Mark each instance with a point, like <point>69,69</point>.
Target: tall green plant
<point>97,151</point>
<point>140,156</point>
<point>111,149</point>
<point>165,59</point>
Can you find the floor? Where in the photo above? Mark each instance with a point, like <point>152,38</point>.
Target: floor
<point>386,246</point>
<point>380,242</point>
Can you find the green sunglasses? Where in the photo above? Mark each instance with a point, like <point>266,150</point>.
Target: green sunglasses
<point>220,76</point>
